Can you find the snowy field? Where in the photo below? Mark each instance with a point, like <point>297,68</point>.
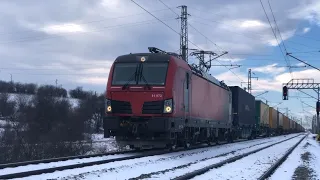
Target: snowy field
<point>28,98</point>
<point>252,166</point>
<point>102,145</point>
<point>99,144</point>
<point>164,166</point>
<point>302,163</point>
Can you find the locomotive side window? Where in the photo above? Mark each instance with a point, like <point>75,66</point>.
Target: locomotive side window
<point>123,72</point>
<point>154,73</point>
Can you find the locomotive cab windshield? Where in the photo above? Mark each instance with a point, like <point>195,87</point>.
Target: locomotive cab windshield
<point>140,73</point>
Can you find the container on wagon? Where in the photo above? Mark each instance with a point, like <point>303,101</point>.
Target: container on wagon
<point>262,113</point>
<point>280,120</point>
<point>291,124</point>
<point>243,105</point>
<point>286,124</point>
<point>272,118</point>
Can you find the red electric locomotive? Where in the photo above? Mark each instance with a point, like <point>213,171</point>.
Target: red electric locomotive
<point>157,99</point>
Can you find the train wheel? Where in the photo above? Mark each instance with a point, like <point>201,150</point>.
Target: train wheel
<point>230,136</point>
<point>216,140</point>
<point>187,145</point>
<point>173,147</point>
<point>210,141</point>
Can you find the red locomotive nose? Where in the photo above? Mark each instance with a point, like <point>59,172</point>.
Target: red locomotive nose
<point>139,100</point>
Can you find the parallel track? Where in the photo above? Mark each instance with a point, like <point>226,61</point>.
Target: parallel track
<point>235,158</point>
<point>271,170</point>
<point>146,153</point>
<point>24,163</point>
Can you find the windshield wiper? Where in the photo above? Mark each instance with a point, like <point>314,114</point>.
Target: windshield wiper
<point>144,79</point>
<point>133,77</point>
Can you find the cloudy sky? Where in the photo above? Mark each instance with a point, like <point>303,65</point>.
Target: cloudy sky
<point>76,41</point>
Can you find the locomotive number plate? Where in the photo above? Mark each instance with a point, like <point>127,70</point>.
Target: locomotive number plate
<point>156,95</point>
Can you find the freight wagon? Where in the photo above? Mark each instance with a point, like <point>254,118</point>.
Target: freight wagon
<point>279,123</point>
<point>243,108</point>
<point>262,118</point>
<point>286,124</point>
<point>291,126</point>
<point>273,119</point>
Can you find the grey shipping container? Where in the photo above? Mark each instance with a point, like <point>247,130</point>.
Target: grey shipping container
<point>280,124</point>
<point>262,113</point>
<point>273,118</point>
<point>243,106</point>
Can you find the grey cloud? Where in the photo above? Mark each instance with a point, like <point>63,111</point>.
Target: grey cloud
<point>102,43</point>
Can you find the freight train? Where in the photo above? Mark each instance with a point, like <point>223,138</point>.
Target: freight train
<point>157,99</point>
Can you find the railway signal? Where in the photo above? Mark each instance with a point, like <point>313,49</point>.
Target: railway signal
<point>285,93</point>
<point>300,84</point>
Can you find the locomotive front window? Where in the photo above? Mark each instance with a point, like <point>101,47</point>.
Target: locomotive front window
<point>123,73</point>
<point>154,73</point>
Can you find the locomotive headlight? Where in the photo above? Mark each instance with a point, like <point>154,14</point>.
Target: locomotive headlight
<point>108,106</point>
<point>168,105</point>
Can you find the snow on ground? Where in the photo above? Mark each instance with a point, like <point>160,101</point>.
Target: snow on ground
<point>135,167</point>
<point>252,166</point>
<point>302,163</point>
<point>102,145</point>
<point>28,97</point>
<point>61,163</point>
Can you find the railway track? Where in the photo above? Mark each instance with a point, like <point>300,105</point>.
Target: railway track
<point>215,170</point>
<point>272,169</point>
<point>25,169</point>
<point>18,170</point>
<point>51,160</point>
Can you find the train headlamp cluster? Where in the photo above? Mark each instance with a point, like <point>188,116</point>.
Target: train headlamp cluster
<point>108,106</point>
<point>168,106</point>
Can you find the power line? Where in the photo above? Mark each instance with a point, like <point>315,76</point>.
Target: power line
<point>242,34</point>
<point>274,33</point>
<point>161,21</point>
<point>98,30</point>
<point>90,22</point>
<point>289,54</point>
<point>304,52</point>
<point>203,36</point>
<point>285,57</point>
<point>277,27</point>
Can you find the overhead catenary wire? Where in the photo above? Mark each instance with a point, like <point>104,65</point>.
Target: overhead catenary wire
<point>274,33</point>
<point>57,35</point>
<point>252,35</point>
<point>90,22</point>
<point>282,43</point>
<point>162,22</point>
<point>203,36</point>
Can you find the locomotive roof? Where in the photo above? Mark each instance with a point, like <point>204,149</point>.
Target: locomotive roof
<point>148,56</point>
<point>159,57</point>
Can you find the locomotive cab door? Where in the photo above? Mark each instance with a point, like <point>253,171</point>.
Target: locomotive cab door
<point>186,98</point>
